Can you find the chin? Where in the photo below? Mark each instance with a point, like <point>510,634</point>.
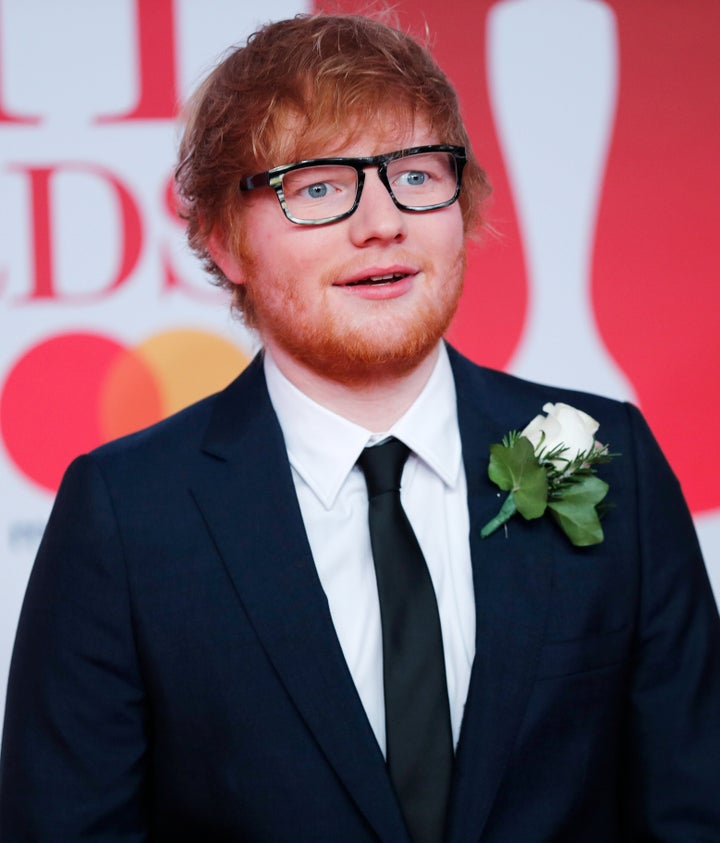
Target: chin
<point>362,356</point>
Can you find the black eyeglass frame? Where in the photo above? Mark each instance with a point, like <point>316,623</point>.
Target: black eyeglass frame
<point>274,178</point>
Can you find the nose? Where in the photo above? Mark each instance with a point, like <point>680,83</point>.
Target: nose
<point>377,219</point>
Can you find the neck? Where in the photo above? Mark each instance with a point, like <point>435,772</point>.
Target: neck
<point>374,401</point>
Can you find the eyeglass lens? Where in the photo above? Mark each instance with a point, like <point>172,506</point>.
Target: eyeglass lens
<point>327,190</point>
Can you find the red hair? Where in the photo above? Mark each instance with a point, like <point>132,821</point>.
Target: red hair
<point>299,88</point>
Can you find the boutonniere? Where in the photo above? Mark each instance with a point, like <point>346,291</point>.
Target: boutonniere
<point>550,467</point>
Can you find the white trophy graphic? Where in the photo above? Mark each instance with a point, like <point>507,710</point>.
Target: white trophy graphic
<point>552,75</point>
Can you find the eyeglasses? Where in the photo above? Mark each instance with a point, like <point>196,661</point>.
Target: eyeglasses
<point>324,190</point>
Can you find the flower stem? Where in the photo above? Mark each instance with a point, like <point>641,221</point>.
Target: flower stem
<point>507,510</point>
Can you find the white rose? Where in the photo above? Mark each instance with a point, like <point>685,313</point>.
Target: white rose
<point>563,426</point>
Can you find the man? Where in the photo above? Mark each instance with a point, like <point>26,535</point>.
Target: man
<point>201,651</point>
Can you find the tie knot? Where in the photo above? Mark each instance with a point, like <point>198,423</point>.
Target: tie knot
<point>382,466</point>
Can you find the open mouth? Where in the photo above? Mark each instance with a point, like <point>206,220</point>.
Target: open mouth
<point>374,280</point>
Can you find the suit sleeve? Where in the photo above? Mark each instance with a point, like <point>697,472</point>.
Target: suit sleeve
<point>75,738</point>
<point>674,717</point>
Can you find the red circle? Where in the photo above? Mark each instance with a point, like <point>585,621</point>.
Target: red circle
<point>49,409</point>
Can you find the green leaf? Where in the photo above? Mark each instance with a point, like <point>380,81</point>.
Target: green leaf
<point>575,512</point>
<point>516,469</point>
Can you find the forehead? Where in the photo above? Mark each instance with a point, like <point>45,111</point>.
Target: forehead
<point>355,138</point>
<point>377,143</point>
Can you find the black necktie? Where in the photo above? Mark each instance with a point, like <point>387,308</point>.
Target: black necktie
<point>417,713</point>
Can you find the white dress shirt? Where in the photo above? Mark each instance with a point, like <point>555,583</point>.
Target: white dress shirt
<point>323,448</point>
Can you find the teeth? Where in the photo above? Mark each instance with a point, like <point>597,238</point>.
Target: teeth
<point>378,279</point>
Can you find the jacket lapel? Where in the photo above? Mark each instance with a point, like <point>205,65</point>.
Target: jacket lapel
<point>268,558</point>
<point>512,579</point>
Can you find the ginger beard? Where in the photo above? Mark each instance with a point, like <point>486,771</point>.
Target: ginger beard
<point>379,340</point>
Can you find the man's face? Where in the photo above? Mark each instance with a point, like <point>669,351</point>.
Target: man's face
<point>361,298</point>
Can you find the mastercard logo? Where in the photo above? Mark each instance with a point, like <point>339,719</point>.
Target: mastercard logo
<point>72,392</point>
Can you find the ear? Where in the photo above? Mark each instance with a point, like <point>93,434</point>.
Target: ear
<point>225,258</point>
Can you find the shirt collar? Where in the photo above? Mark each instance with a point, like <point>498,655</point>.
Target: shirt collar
<point>323,446</point>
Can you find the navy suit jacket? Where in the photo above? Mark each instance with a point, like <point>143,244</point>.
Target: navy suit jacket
<point>177,676</point>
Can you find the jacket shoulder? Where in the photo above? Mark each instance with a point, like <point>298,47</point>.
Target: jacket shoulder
<point>186,430</point>
<point>504,394</point>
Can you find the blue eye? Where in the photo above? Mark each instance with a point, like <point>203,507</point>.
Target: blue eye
<point>414,178</point>
<point>316,191</point>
